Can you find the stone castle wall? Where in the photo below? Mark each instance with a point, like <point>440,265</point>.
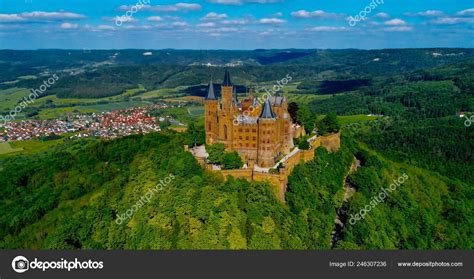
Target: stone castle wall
<point>280,181</point>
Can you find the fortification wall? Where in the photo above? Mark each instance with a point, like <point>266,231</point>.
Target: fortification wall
<point>279,181</point>
<point>331,142</point>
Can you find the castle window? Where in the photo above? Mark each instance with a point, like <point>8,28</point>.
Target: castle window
<point>253,130</point>
<point>246,130</point>
<point>240,130</point>
<point>253,145</point>
<point>240,137</point>
<point>246,138</point>
<point>246,145</point>
<point>254,138</point>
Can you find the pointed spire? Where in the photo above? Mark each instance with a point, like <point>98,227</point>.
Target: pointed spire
<point>227,81</point>
<point>267,111</point>
<point>210,92</point>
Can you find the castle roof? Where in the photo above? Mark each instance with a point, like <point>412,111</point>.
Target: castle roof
<point>277,100</point>
<point>227,81</point>
<point>267,111</point>
<point>234,95</point>
<point>210,92</point>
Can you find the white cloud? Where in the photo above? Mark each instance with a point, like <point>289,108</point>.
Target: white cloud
<point>137,27</point>
<point>178,7</point>
<point>10,18</point>
<point>105,27</point>
<point>314,14</point>
<point>155,18</point>
<point>452,20</point>
<point>278,14</point>
<point>427,13</point>
<point>467,12</point>
<point>179,24</point>
<point>40,16</point>
<point>382,15</point>
<point>207,24</point>
<point>272,20</point>
<point>234,22</point>
<point>327,28</point>
<point>67,25</point>
<point>395,22</point>
<point>51,15</point>
<point>220,30</point>
<point>241,2</point>
<point>214,16</point>
<point>399,29</point>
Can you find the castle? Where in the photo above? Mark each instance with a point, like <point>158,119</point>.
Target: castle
<point>261,133</point>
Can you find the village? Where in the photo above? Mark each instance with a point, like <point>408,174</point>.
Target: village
<point>107,125</point>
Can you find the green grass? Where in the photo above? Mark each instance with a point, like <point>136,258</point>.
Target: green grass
<point>6,148</point>
<point>164,92</point>
<point>35,146</point>
<point>183,115</point>
<point>9,97</point>
<point>196,111</point>
<point>306,98</point>
<point>348,119</point>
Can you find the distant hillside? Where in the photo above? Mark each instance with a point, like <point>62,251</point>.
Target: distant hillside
<point>114,71</point>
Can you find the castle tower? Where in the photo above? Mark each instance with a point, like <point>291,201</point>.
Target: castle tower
<point>227,93</point>
<point>227,113</point>
<point>211,119</point>
<point>267,138</point>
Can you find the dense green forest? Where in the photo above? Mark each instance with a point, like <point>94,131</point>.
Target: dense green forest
<point>49,203</point>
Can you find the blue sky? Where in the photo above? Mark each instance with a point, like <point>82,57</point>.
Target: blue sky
<point>235,24</point>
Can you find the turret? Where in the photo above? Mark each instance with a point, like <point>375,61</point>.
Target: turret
<point>267,112</point>
<point>211,110</point>
<point>267,136</point>
<point>210,92</point>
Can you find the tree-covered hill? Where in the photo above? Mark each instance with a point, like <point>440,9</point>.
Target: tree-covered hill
<point>113,71</point>
<point>70,198</point>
